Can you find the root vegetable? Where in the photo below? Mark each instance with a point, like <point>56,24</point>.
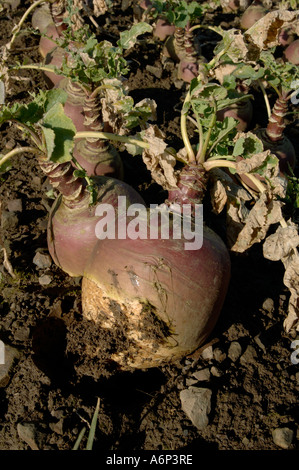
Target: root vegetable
<point>72,221</point>
<point>286,36</point>
<point>273,139</point>
<point>242,112</point>
<point>252,14</point>
<point>165,298</point>
<point>232,6</point>
<point>163,29</point>
<point>160,292</point>
<point>291,53</point>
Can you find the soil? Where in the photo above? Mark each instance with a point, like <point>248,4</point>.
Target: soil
<point>51,391</point>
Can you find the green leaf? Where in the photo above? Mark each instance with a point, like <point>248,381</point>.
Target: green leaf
<point>248,145</point>
<point>49,136</point>
<point>128,38</point>
<point>56,95</point>
<point>59,131</point>
<point>6,166</point>
<point>239,147</point>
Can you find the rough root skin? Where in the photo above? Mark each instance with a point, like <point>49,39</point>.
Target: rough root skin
<point>61,176</point>
<point>276,123</point>
<point>192,186</point>
<point>148,339</point>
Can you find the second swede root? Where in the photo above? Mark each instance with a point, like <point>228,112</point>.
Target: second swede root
<point>273,137</point>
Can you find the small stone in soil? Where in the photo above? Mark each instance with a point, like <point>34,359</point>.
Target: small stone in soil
<point>202,375</point>
<point>45,280</point>
<point>283,437</point>
<point>234,351</point>
<point>248,356</point>
<point>8,356</point>
<point>15,205</point>
<point>196,403</point>
<point>42,260</point>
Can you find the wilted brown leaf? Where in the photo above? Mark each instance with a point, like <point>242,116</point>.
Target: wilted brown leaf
<point>160,162</point>
<point>99,7</point>
<point>223,189</point>
<point>264,213</point>
<point>281,243</point>
<point>265,32</point>
<point>291,281</point>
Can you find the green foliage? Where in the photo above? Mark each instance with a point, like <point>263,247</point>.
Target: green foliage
<point>279,74</point>
<point>247,146</point>
<point>178,13</point>
<point>45,113</point>
<point>292,193</point>
<point>58,131</point>
<point>89,62</point>
<point>30,113</point>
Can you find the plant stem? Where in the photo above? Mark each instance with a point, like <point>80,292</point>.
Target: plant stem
<point>33,135</point>
<point>17,28</point>
<point>265,97</point>
<point>203,152</point>
<point>17,151</point>
<point>183,123</point>
<point>212,28</point>
<point>111,136</point>
<point>209,165</point>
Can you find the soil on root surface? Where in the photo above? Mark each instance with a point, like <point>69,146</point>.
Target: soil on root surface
<point>51,393</point>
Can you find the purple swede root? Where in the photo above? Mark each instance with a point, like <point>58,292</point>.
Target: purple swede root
<point>72,221</point>
<point>165,298</point>
<point>49,22</point>
<point>286,36</point>
<point>242,112</point>
<point>273,139</point>
<point>175,45</point>
<point>94,155</point>
<point>291,53</point>
<point>233,6</point>
<point>163,29</point>
<point>188,66</point>
<point>252,14</point>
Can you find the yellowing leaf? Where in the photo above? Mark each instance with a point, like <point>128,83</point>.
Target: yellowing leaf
<point>265,32</point>
<point>59,131</point>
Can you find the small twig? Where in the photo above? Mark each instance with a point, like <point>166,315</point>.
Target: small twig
<point>7,264</point>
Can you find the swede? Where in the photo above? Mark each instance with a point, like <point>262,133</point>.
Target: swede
<point>233,6</point>
<point>274,139</point>
<point>95,156</point>
<point>166,298</point>
<point>242,112</point>
<point>252,14</point>
<point>72,220</point>
<point>291,53</point>
<point>163,29</point>
<point>286,36</point>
